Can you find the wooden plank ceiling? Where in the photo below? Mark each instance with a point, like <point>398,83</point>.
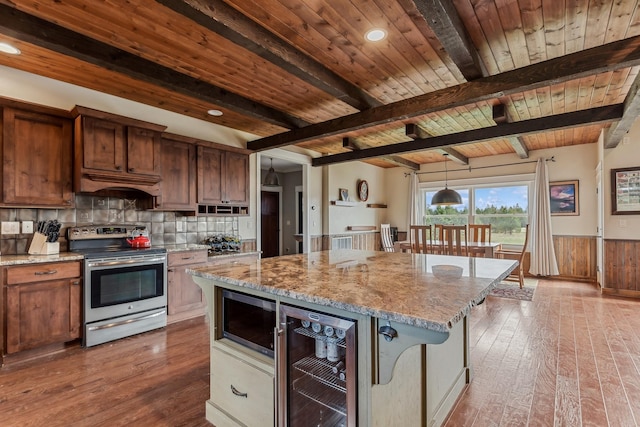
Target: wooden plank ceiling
<point>471,78</point>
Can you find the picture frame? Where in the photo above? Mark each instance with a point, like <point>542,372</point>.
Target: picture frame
<point>344,194</point>
<point>564,198</point>
<point>625,191</point>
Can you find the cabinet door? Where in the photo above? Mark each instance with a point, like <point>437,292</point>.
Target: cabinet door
<point>102,145</point>
<point>185,298</point>
<point>236,173</point>
<point>143,151</point>
<point>210,175</point>
<point>42,313</point>
<point>37,159</point>
<point>178,175</point>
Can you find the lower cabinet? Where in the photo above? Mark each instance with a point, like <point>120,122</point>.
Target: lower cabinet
<point>184,297</point>
<point>42,305</point>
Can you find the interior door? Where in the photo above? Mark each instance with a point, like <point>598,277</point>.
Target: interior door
<point>270,224</point>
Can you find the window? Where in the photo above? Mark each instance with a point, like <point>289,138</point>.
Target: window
<point>504,206</point>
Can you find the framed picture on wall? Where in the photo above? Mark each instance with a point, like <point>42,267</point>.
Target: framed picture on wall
<point>344,194</point>
<point>625,191</point>
<point>564,198</point>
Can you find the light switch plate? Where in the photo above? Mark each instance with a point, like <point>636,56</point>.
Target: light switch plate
<point>10,227</point>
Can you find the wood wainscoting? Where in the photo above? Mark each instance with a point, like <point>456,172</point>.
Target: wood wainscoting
<point>621,269</point>
<point>577,257</point>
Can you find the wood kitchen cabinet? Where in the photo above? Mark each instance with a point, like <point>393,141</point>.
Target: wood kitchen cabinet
<point>42,305</point>
<point>115,152</point>
<point>178,161</point>
<point>37,153</point>
<point>184,297</point>
<point>223,181</point>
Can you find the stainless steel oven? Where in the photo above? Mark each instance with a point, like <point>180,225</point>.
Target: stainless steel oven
<point>125,289</point>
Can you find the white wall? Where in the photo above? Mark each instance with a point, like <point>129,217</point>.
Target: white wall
<point>574,162</point>
<point>347,175</point>
<point>625,155</point>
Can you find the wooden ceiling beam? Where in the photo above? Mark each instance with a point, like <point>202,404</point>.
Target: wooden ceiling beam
<point>39,32</point>
<point>226,21</point>
<point>445,22</point>
<point>525,127</point>
<point>611,56</point>
<point>500,115</point>
<point>350,144</point>
<point>619,130</point>
<point>414,131</point>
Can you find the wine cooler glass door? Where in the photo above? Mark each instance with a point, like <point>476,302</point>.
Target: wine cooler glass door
<point>317,369</point>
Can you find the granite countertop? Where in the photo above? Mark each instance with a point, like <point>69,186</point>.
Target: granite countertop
<point>393,286</point>
<point>7,260</point>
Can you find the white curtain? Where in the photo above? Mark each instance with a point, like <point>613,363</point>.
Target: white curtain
<point>543,256</point>
<point>412,208</point>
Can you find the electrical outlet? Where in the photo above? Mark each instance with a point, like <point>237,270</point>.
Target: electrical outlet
<point>27,227</point>
<point>10,227</point>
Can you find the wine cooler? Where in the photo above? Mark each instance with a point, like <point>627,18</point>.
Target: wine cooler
<point>316,361</point>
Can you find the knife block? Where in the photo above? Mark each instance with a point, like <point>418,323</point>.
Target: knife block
<point>40,246</point>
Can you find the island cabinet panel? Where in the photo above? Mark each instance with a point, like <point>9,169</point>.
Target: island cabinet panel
<point>42,305</point>
<point>178,175</point>
<point>116,152</point>
<point>37,159</point>
<point>223,181</point>
<point>185,299</point>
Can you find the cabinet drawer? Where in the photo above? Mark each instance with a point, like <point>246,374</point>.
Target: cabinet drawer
<point>42,272</point>
<point>229,374</point>
<point>187,258</point>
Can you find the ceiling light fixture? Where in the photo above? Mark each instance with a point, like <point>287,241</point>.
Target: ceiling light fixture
<point>271,178</point>
<point>446,196</point>
<point>7,48</point>
<point>375,35</point>
<point>215,113</point>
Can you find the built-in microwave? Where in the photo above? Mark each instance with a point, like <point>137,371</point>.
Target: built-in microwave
<point>249,321</point>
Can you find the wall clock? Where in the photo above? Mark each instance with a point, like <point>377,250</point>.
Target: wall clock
<point>363,190</point>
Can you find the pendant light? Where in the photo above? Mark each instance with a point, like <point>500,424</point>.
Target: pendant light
<point>271,178</point>
<point>446,197</point>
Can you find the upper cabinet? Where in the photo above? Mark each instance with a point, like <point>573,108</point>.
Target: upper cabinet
<point>178,160</point>
<point>116,152</point>
<point>223,181</point>
<point>37,153</point>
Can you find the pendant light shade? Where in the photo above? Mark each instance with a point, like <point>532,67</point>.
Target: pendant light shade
<point>446,197</point>
<point>271,178</point>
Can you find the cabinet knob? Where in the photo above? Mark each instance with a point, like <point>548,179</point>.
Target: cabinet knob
<point>132,170</point>
<point>118,167</point>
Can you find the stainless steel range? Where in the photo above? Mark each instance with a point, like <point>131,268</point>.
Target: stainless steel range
<point>125,288</point>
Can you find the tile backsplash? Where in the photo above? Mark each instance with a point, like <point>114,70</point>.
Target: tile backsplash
<point>164,227</point>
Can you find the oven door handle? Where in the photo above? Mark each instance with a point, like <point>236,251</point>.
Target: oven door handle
<point>123,262</point>
<point>126,322</point>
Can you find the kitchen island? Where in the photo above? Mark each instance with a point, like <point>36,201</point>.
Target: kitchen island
<point>412,328</point>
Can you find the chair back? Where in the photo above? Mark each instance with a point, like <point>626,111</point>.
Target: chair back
<point>453,240</point>
<point>385,237</point>
<point>421,239</point>
<point>480,233</point>
<point>516,275</point>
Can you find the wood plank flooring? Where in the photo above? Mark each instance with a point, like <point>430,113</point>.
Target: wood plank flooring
<point>570,357</point>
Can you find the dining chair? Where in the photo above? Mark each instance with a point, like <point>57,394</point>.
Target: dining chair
<point>421,239</point>
<point>516,275</point>
<point>453,240</point>
<point>386,238</point>
<point>479,233</point>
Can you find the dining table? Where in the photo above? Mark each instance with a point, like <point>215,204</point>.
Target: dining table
<point>489,247</point>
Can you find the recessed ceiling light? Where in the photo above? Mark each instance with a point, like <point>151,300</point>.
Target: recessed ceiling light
<point>7,48</point>
<point>215,113</point>
<point>375,35</point>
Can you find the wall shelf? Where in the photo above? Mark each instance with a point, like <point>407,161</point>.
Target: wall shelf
<point>377,205</point>
<point>344,203</point>
<point>361,227</point>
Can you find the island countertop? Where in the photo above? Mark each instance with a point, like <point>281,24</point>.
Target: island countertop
<point>393,286</point>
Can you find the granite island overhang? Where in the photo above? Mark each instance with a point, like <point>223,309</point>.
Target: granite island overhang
<point>425,307</point>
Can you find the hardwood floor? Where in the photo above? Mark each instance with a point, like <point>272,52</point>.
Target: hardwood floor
<point>570,357</point>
